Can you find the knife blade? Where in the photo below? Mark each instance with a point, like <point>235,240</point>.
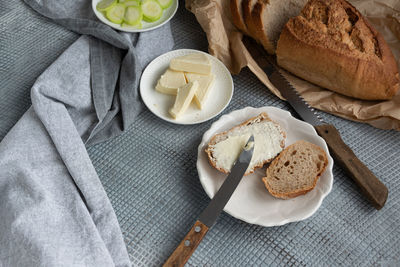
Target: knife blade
<point>210,214</point>
<point>374,190</point>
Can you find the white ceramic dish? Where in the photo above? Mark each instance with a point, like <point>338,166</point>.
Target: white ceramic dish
<point>146,26</point>
<point>251,202</point>
<point>159,103</point>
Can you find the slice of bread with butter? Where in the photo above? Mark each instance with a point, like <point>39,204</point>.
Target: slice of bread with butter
<point>224,148</point>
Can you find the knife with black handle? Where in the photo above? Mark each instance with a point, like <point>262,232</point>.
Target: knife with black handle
<point>208,217</point>
<point>375,191</point>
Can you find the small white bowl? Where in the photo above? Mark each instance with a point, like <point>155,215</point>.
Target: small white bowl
<point>158,103</point>
<point>251,202</point>
<point>146,26</point>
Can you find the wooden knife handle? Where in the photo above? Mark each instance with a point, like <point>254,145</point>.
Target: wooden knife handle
<point>188,245</point>
<point>371,187</point>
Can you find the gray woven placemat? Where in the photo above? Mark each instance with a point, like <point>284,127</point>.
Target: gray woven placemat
<point>149,172</point>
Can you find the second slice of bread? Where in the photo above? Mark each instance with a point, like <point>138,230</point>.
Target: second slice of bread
<point>269,17</point>
<point>224,148</point>
<point>247,8</point>
<point>296,170</point>
<point>237,15</point>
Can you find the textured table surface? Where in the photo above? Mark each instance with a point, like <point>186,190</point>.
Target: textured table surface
<point>150,176</point>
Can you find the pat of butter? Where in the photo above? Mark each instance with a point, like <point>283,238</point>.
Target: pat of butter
<point>197,63</point>
<point>206,82</point>
<point>170,81</point>
<point>267,141</point>
<point>183,99</point>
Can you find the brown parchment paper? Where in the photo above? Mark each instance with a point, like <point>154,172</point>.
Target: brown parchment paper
<point>225,43</point>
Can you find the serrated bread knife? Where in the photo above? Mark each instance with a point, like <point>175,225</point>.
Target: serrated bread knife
<point>375,191</point>
<point>208,217</point>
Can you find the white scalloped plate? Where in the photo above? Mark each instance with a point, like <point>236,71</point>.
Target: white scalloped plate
<point>146,26</point>
<point>251,202</point>
<point>158,103</point>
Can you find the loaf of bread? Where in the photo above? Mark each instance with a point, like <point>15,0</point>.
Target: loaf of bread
<point>224,148</point>
<point>332,45</point>
<point>296,170</point>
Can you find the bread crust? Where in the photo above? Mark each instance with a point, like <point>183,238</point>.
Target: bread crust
<point>300,191</point>
<point>257,16</point>
<point>238,20</point>
<point>247,7</point>
<point>310,55</point>
<point>216,138</point>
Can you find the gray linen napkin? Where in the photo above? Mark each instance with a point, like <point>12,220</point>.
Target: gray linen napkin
<point>117,60</point>
<point>53,208</point>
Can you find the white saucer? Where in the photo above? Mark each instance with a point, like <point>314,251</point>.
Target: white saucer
<point>251,202</point>
<point>159,103</point>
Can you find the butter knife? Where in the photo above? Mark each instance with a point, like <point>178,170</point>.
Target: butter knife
<point>374,190</point>
<point>208,217</point>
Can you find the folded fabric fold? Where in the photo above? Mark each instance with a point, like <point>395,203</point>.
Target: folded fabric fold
<point>117,60</point>
<point>53,206</point>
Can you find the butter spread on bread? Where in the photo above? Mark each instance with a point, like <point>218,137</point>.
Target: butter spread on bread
<point>196,62</point>
<point>170,81</point>
<point>332,45</point>
<point>296,170</point>
<point>205,85</point>
<point>183,99</point>
<point>269,139</point>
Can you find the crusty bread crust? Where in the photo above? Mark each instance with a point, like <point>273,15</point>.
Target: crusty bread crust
<point>257,17</point>
<point>358,64</point>
<point>222,136</point>
<point>247,8</point>
<point>238,19</point>
<point>300,191</point>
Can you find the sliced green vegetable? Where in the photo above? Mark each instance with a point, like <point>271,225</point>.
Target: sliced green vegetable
<point>165,3</point>
<point>116,13</point>
<point>105,5</point>
<point>132,3</point>
<point>135,27</point>
<point>152,10</point>
<point>133,15</point>
<point>121,1</point>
